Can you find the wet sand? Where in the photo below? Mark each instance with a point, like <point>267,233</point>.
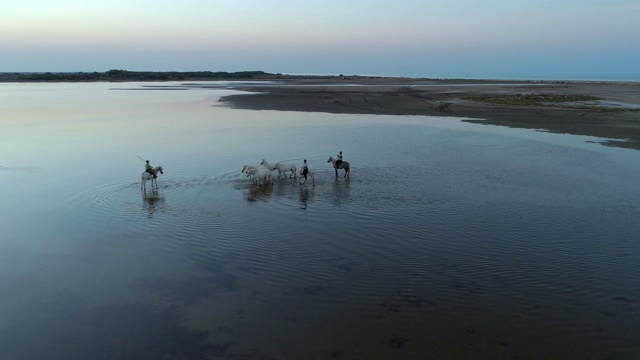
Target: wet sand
<point>612,112</point>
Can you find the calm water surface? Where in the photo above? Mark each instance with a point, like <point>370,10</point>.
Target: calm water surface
<point>450,240</point>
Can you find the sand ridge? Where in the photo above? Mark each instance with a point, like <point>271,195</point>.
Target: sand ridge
<point>602,109</point>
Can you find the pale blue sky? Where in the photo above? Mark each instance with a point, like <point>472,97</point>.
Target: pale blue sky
<point>394,37</point>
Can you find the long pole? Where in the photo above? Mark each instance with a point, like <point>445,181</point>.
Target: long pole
<point>140,158</point>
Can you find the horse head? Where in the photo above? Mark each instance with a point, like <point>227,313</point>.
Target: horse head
<point>160,169</point>
<point>331,159</point>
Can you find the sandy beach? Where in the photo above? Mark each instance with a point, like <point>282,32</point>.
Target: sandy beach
<point>603,109</point>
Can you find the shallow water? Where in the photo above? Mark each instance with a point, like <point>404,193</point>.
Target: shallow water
<point>450,240</point>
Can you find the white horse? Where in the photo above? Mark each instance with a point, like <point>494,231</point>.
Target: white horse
<point>282,168</point>
<point>310,174</point>
<point>147,176</point>
<point>258,174</point>
<point>246,168</point>
<point>343,165</point>
<point>268,165</point>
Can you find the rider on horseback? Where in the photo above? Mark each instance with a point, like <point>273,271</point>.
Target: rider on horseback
<point>305,168</point>
<point>339,160</point>
<point>148,168</point>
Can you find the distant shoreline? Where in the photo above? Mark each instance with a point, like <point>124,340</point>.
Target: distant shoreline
<point>125,75</point>
<point>159,76</point>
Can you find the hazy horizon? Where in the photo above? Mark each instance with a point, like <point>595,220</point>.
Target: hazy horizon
<point>497,38</point>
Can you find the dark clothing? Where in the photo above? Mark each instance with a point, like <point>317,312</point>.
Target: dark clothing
<point>305,171</point>
<point>150,171</point>
<point>339,160</point>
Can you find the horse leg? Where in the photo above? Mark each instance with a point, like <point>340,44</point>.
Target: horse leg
<point>336,169</point>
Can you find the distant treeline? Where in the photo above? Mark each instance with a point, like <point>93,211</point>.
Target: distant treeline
<point>125,75</point>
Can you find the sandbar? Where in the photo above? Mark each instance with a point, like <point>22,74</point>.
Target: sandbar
<point>608,110</point>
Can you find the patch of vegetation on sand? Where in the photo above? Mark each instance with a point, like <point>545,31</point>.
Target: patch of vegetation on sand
<point>574,102</point>
<point>531,99</point>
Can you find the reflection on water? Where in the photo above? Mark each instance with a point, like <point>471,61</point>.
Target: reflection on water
<point>153,201</point>
<point>340,191</point>
<point>305,196</point>
<point>259,191</point>
<point>465,243</point>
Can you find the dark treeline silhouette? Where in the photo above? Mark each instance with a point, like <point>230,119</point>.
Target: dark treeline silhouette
<point>125,75</point>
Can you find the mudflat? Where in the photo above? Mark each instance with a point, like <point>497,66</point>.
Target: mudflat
<point>609,110</point>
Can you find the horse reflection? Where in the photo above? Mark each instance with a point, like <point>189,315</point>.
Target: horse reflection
<point>341,191</point>
<point>152,201</point>
<point>258,191</point>
<point>305,195</point>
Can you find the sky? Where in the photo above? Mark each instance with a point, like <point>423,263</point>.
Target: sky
<point>351,37</point>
